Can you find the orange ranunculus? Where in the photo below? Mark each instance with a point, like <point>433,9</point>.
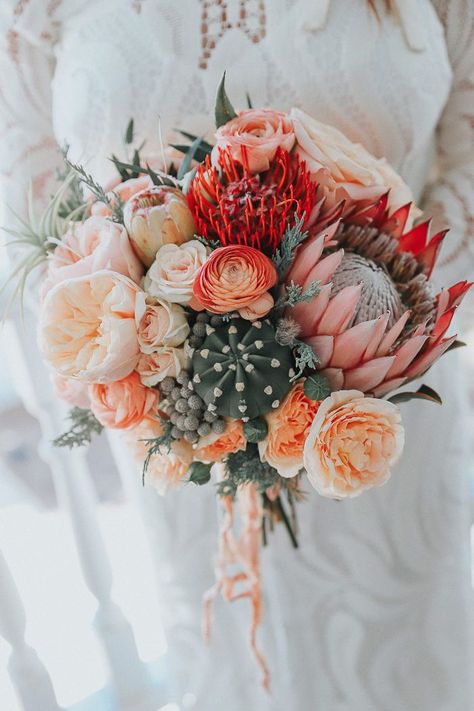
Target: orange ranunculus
<point>352,443</point>
<point>288,427</point>
<point>236,278</point>
<point>123,404</point>
<point>254,136</point>
<point>214,447</point>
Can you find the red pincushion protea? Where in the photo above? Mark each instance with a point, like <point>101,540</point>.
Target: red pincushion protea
<point>234,206</point>
<point>376,323</point>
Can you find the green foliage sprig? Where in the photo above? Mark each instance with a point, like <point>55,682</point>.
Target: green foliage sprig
<point>245,467</point>
<point>113,201</point>
<point>294,294</point>
<point>292,238</point>
<point>305,357</point>
<point>84,426</point>
<point>156,445</point>
<point>224,111</point>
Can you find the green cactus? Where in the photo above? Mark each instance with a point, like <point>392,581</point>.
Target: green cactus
<point>240,371</point>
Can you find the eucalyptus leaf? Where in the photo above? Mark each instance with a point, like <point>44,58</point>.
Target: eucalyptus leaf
<point>255,430</point>
<point>224,111</point>
<point>317,387</point>
<point>200,473</point>
<point>129,132</point>
<point>424,392</point>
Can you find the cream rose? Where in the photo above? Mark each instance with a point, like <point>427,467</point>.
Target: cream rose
<point>172,274</point>
<point>159,323</point>
<point>352,443</point>
<point>90,246</point>
<point>345,169</point>
<point>155,367</point>
<point>87,327</point>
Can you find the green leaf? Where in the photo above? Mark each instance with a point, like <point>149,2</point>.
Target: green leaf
<point>423,393</point>
<point>224,111</point>
<point>316,387</point>
<point>189,157</point>
<point>255,430</point>
<point>249,100</point>
<point>200,153</point>
<point>192,137</point>
<point>200,473</point>
<point>129,132</point>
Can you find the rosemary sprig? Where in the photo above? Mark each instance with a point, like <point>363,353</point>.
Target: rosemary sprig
<point>113,201</point>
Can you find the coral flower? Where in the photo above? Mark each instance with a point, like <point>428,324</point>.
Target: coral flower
<point>352,443</point>
<point>253,138</point>
<point>288,427</point>
<point>214,447</point>
<point>234,206</point>
<point>124,403</point>
<point>236,278</point>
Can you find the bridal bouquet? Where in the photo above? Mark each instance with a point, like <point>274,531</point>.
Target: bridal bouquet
<point>243,310</point>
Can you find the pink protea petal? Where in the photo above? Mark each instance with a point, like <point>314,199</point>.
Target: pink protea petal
<point>377,336</point>
<point>405,355</point>
<point>387,386</point>
<point>324,270</point>
<point>458,291</point>
<point>443,303</point>
<point>340,310</point>
<point>335,377</point>
<point>308,313</point>
<point>442,325</point>
<point>350,346</point>
<point>366,377</point>
<point>392,335</point>
<point>420,365</point>
<point>305,259</point>
<point>323,347</point>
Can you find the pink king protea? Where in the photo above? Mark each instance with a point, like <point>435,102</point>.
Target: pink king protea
<point>376,323</point>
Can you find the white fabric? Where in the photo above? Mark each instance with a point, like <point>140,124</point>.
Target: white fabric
<point>373,613</point>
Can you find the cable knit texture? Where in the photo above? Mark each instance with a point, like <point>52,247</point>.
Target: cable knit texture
<point>373,613</point>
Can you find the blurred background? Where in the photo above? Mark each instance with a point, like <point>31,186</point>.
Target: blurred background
<point>79,612</point>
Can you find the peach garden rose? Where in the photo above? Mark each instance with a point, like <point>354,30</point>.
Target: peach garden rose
<point>288,427</point>
<point>236,278</point>
<point>160,364</point>
<point>214,447</point>
<point>87,327</point>
<point>74,392</point>
<point>352,444</point>
<point>254,136</point>
<point>124,403</point>
<point>88,247</point>
<point>166,469</point>
<point>124,191</point>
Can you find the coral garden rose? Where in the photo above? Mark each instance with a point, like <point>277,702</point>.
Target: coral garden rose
<point>124,403</point>
<point>288,427</point>
<point>87,327</point>
<point>172,274</point>
<point>74,392</point>
<point>90,246</point>
<point>253,137</point>
<point>155,367</point>
<point>352,444</point>
<point>157,216</point>
<point>124,191</point>
<point>236,278</point>
<point>166,469</point>
<point>344,169</point>
<point>214,447</point>
<point>159,323</point>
